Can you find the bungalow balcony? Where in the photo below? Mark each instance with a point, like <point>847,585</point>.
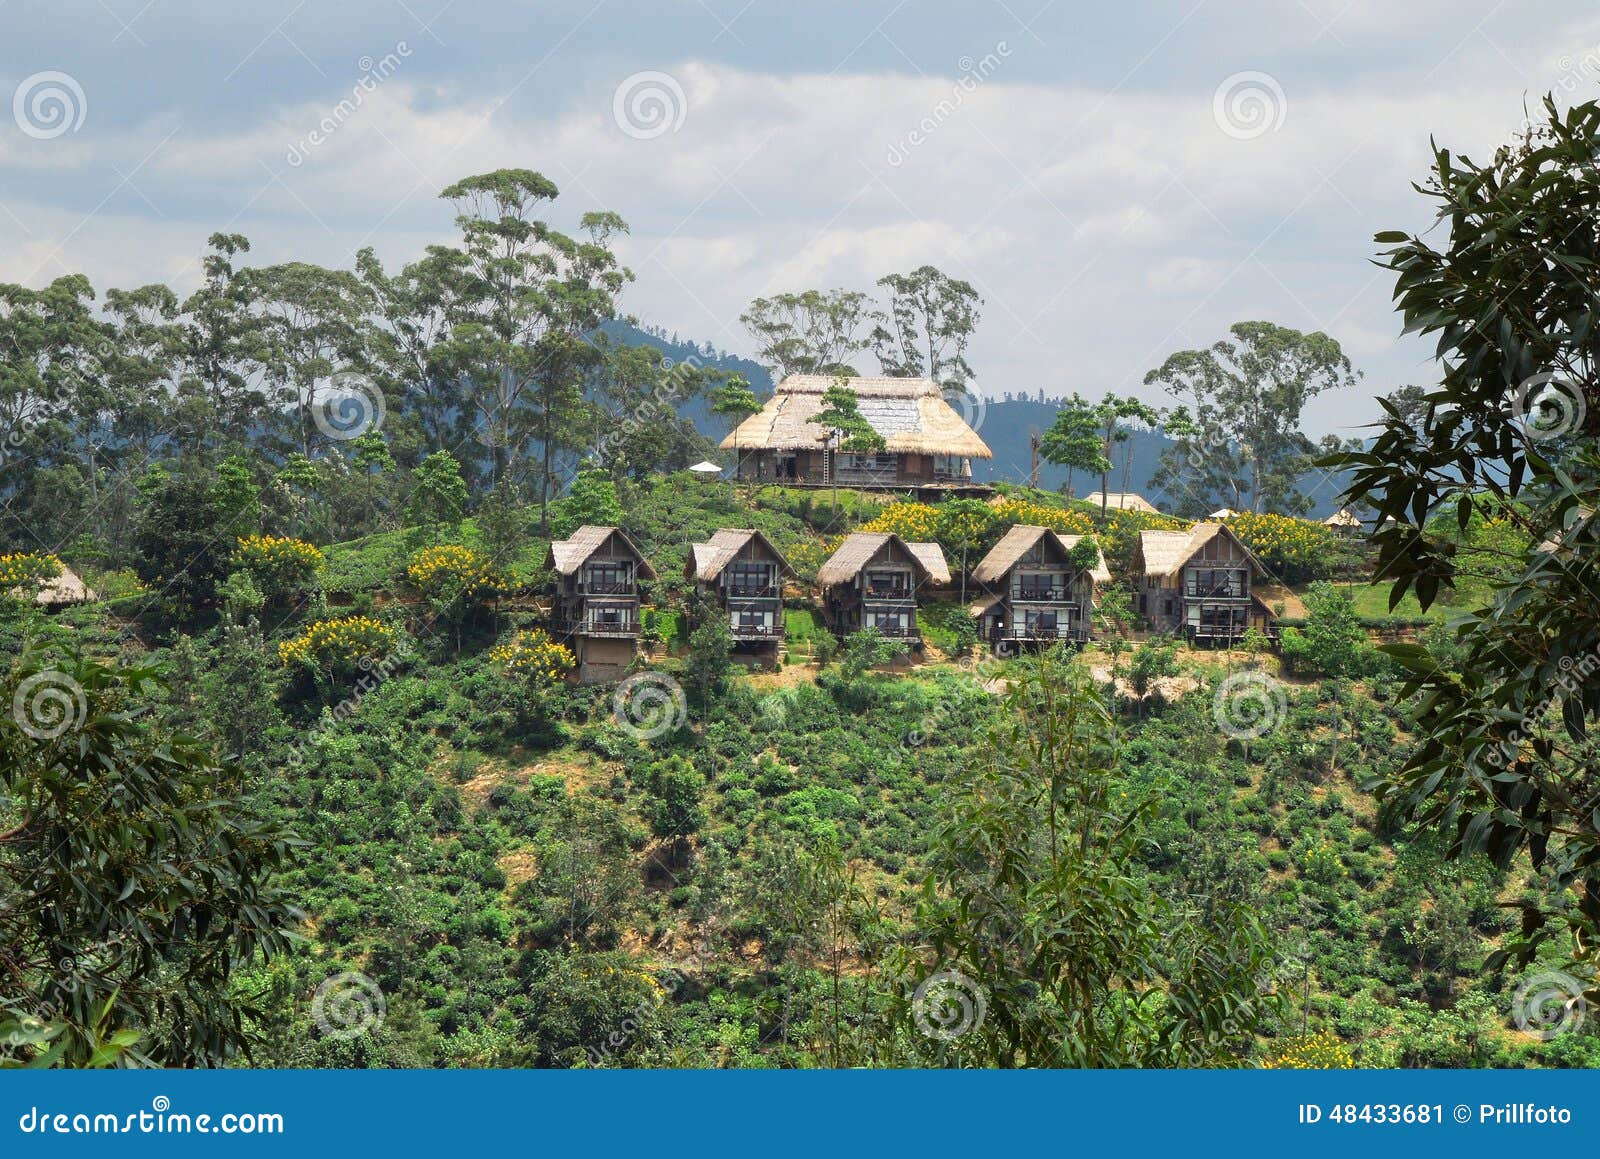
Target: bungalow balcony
<point>769,590</point>
<point>1063,628</point>
<point>757,632</point>
<point>1041,594</point>
<point>621,627</point>
<point>608,588</point>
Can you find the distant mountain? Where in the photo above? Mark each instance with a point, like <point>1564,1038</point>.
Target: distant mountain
<point>1005,423</point>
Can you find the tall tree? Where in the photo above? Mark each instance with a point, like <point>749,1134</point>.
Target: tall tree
<point>1074,440</point>
<point>1245,395</point>
<point>930,320</point>
<point>812,332</point>
<point>313,325</point>
<point>222,352</point>
<point>528,295</point>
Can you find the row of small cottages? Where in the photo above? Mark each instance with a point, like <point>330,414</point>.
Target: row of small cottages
<point>1199,582</point>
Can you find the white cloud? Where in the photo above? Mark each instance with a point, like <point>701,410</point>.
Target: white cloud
<point>1104,227</point>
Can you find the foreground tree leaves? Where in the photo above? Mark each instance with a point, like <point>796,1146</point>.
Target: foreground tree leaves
<point>1506,761</point>
<point>136,875</point>
<point>1037,903</point>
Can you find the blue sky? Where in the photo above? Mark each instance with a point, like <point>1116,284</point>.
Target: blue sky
<point>1120,181</point>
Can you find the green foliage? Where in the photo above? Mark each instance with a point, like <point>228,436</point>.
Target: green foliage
<point>868,648</point>
<point>121,944</point>
<point>1332,643</point>
<point>1034,897</point>
<point>591,500</point>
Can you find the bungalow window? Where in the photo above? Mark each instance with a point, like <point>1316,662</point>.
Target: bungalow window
<point>1041,623</point>
<point>890,623</point>
<point>872,462</point>
<point>611,616</point>
<point>1215,617</point>
<point>951,465</point>
<point>749,621</point>
<point>748,579</point>
<point>1041,586</point>
<point>1223,582</point>
<point>891,584</point>
<point>613,576</point>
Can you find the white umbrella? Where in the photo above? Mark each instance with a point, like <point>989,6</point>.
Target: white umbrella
<point>705,469</point>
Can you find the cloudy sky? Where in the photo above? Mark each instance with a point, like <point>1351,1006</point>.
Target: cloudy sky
<point>1119,181</point>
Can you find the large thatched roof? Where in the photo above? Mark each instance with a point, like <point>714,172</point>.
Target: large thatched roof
<point>910,413</point>
<point>1020,540</point>
<point>859,547</point>
<point>706,560</point>
<point>1121,501</point>
<point>1163,553</point>
<point>568,555</point>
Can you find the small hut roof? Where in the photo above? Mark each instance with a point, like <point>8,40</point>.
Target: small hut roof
<point>1222,513</point>
<point>568,555</point>
<point>708,559</point>
<point>1122,501</point>
<point>910,413</point>
<point>982,604</point>
<point>1165,552</point>
<point>857,549</point>
<point>1020,540</point>
<point>931,556</point>
<point>66,588</point>
<point>1341,518</point>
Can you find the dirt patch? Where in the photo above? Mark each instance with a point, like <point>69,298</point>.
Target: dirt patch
<point>789,676</point>
<point>519,865</point>
<point>1274,594</point>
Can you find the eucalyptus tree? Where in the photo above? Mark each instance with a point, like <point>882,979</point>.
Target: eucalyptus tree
<point>313,325</point>
<point>1074,440</point>
<point>930,320</point>
<point>811,332</point>
<point>222,353</point>
<point>1245,395</point>
<point>525,299</point>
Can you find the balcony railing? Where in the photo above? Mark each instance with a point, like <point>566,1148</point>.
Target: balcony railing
<point>757,631</point>
<point>608,587</point>
<point>753,591</point>
<point>624,627</point>
<point>887,592</point>
<point>1028,595</point>
<point>897,631</point>
<point>1066,631</point>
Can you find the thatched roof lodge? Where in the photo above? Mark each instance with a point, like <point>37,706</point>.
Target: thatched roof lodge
<point>927,443</point>
<point>1121,501</point>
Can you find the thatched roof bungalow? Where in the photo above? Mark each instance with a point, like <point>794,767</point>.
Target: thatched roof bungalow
<point>926,442</point>
<point>1034,592</point>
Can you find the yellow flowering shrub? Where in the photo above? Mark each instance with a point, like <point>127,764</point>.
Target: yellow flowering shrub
<point>912,522</point>
<point>340,645</point>
<point>1321,1051</point>
<point>27,567</point>
<point>278,564</point>
<point>1012,510</point>
<point>450,571</point>
<point>1293,549</point>
<point>534,657</point>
